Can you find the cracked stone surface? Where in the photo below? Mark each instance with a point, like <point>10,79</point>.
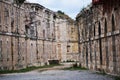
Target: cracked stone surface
<point>56,75</point>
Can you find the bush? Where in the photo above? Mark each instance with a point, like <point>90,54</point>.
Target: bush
<point>70,61</point>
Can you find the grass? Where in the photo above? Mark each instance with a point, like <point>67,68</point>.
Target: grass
<point>75,68</point>
<point>117,78</point>
<point>27,69</point>
<point>70,61</point>
<point>104,74</point>
<point>101,72</point>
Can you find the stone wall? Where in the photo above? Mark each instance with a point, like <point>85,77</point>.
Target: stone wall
<point>72,43</point>
<point>31,35</point>
<point>99,38</point>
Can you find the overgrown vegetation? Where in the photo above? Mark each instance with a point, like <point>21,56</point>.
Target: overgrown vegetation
<point>70,61</point>
<point>104,74</point>
<point>19,2</point>
<point>117,78</point>
<point>60,12</point>
<point>101,73</point>
<point>75,67</point>
<point>27,69</point>
<point>65,16</point>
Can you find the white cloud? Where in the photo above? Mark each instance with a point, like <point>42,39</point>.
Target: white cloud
<point>71,7</point>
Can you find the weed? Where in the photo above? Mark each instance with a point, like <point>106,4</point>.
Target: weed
<point>27,69</point>
<point>75,68</point>
<point>116,77</point>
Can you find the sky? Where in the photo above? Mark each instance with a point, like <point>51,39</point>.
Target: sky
<point>70,7</point>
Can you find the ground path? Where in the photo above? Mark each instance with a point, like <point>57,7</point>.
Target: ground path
<point>55,73</point>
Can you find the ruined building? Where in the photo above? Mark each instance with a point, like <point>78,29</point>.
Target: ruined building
<point>31,35</point>
<point>67,38</point>
<point>99,36</point>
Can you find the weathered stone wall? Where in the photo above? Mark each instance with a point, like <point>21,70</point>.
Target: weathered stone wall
<point>72,43</point>
<point>5,52</point>
<point>31,35</point>
<point>24,40</point>
<point>99,38</point>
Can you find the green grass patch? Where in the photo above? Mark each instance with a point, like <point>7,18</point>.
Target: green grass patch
<point>27,69</point>
<point>75,68</point>
<point>70,61</point>
<point>117,78</point>
<point>105,74</point>
<point>101,73</point>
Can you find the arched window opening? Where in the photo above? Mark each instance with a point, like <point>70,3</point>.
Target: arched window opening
<point>94,30</point>
<point>113,23</point>
<point>105,26</point>
<point>99,28</point>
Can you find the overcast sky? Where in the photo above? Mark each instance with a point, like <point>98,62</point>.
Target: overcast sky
<point>70,7</point>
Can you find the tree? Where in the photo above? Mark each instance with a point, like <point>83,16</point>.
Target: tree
<point>19,2</point>
<point>60,12</point>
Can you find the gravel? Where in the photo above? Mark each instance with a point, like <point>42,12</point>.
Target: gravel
<point>55,75</point>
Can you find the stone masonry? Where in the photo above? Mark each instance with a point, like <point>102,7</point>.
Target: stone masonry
<point>31,35</point>
<point>99,37</point>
